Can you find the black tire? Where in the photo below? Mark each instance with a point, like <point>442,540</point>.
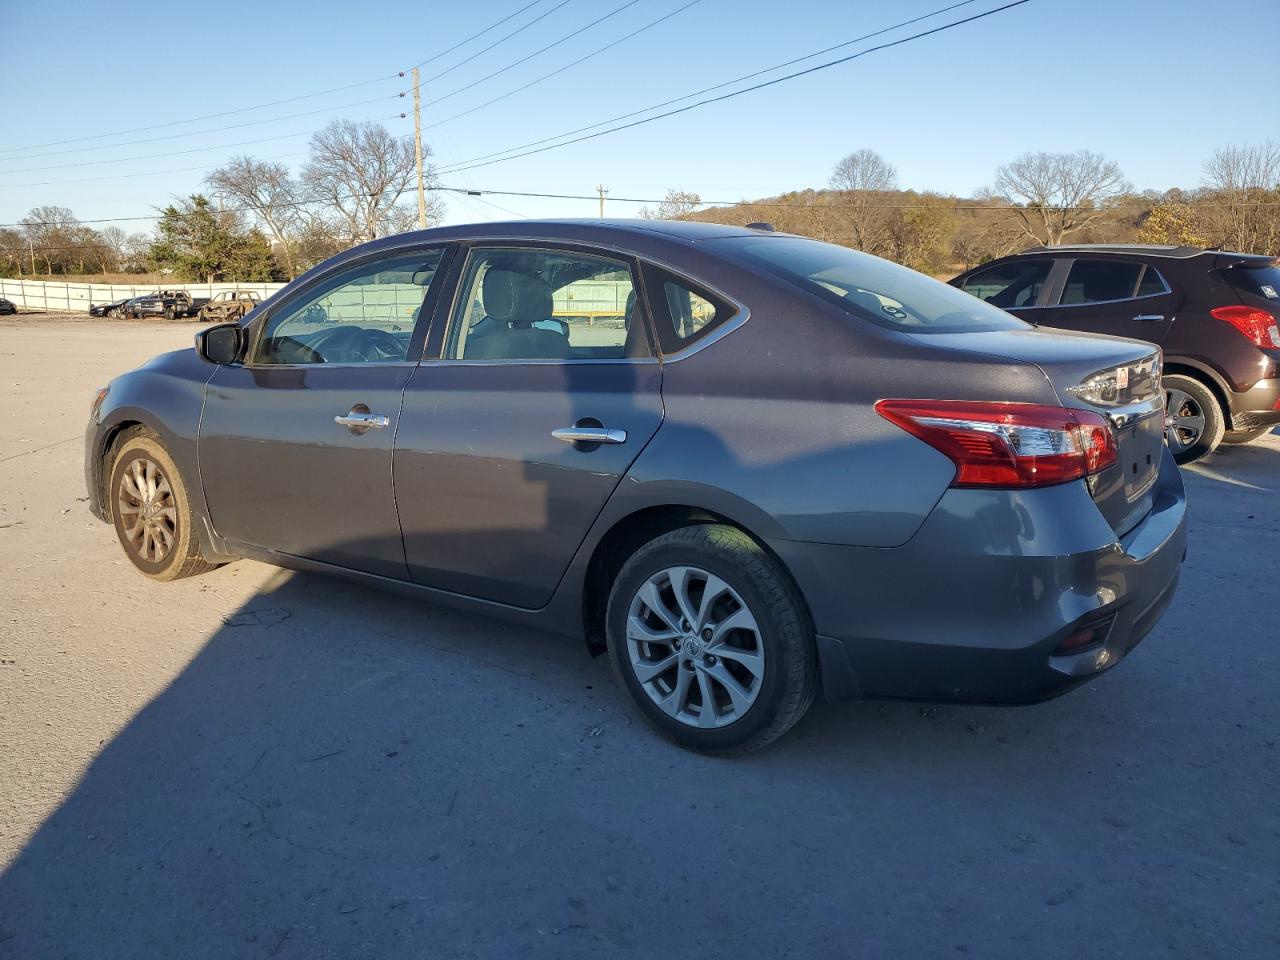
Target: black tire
<point>790,671</point>
<point>169,314</point>
<point>182,556</point>
<point>1189,400</point>
<point>1246,436</point>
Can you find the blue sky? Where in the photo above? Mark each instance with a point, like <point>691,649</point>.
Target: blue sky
<point>1157,86</point>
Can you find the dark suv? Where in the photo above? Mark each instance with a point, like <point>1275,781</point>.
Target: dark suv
<point>1213,313</point>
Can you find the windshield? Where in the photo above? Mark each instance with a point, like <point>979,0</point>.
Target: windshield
<point>885,293</point>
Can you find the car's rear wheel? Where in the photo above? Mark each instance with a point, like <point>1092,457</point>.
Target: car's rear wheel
<point>1246,436</point>
<point>712,640</point>
<point>170,314</point>
<point>1194,423</point>
<point>152,512</point>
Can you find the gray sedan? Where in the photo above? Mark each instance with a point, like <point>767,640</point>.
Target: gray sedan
<point>748,466</point>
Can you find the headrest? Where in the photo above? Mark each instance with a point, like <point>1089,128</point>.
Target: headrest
<point>515,297</point>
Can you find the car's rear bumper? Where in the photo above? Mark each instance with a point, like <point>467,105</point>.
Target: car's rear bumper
<point>976,605</point>
<point>1258,406</point>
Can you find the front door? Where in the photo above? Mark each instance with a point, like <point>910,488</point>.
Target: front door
<point>1120,298</point>
<point>295,445</point>
<point>543,392</point>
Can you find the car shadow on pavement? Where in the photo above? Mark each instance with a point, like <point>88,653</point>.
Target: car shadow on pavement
<point>343,772</point>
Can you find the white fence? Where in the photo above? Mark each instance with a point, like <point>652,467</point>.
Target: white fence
<point>52,295</point>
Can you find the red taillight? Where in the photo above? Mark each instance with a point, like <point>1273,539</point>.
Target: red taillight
<point>1008,444</point>
<point>1254,322</point>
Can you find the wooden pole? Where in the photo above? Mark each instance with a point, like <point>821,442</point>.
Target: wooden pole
<point>603,192</point>
<point>417,150</point>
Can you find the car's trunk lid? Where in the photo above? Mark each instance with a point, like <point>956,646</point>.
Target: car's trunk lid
<point>1109,375</point>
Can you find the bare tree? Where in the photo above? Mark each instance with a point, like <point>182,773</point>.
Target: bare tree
<point>51,234</point>
<point>677,205</point>
<point>1244,183</point>
<point>359,171</point>
<point>864,179</point>
<point>1060,193</point>
<point>269,192</point>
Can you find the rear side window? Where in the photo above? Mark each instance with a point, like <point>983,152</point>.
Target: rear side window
<point>1151,284</point>
<point>683,312</point>
<point>1097,281</point>
<point>1010,285</point>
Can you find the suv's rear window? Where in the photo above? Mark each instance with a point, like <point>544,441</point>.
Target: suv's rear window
<point>1260,281</point>
<point>868,287</point>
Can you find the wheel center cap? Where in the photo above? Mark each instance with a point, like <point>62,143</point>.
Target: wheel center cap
<point>690,646</point>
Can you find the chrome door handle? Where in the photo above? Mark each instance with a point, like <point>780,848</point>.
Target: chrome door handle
<point>375,421</point>
<point>589,435</point>
<point>1149,316</point>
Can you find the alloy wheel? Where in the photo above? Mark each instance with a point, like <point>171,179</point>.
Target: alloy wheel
<point>1184,421</point>
<point>148,511</point>
<point>695,647</point>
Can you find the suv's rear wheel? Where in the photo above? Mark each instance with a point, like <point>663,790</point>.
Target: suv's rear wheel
<point>1194,423</point>
<point>711,639</point>
<point>152,513</point>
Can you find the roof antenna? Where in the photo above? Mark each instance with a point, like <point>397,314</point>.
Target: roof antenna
<point>761,225</point>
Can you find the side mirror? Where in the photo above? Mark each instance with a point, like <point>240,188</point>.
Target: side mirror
<point>223,343</point>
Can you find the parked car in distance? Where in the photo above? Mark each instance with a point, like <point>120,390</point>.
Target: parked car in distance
<point>116,308</point>
<point>7,307</point>
<point>788,466</point>
<point>170,304</point>
<point>1214,314</point>
<point>228,305</point>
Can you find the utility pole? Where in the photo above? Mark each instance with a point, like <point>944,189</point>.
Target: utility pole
<point>32,247</point>
<point>417,150</point>
<point>603,193</point>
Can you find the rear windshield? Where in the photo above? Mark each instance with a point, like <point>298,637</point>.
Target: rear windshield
<point>1261,281</point>
<point>868,287</point>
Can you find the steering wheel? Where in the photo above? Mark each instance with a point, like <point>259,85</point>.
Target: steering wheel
<point>379,345</point>
<point>338,344</point>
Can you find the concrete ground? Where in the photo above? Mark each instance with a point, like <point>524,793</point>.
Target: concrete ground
<point>257,763</point>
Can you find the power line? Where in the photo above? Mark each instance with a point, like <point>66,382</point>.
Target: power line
<point>536,53</point>
<point>479,194</point>
<point>207,116</point>
<point>200,133</point>
<point>726,83</point>
<point>272,103</point>
<point>570,65</point>
<point>178,153</point>
<point>754,87</point>
<point>480,53</point>
<point>129,176</point>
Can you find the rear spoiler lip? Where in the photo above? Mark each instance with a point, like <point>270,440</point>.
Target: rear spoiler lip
<point>1226,260</point>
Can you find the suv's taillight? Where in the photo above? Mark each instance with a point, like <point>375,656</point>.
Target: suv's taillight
<point>1008,444</point>
<point>1254,322</point>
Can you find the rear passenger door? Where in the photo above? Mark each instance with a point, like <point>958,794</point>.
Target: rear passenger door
<point>539,388</point>
<point>1122,298</point>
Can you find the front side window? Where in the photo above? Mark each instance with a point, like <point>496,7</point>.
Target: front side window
<point>526,304</point>
<point>1097,281</point>
<point>1010,285</point>
<point>362,315</point>
<point>867,287</point>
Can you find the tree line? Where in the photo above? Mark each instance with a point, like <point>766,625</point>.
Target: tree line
<point>258,221</point>
<point>1036,198</point>
<point>253,220</point>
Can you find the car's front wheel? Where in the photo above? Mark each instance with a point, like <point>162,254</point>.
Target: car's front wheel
<point>152,512</point>
<point>1194,423</point>
<point>712,640</point>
